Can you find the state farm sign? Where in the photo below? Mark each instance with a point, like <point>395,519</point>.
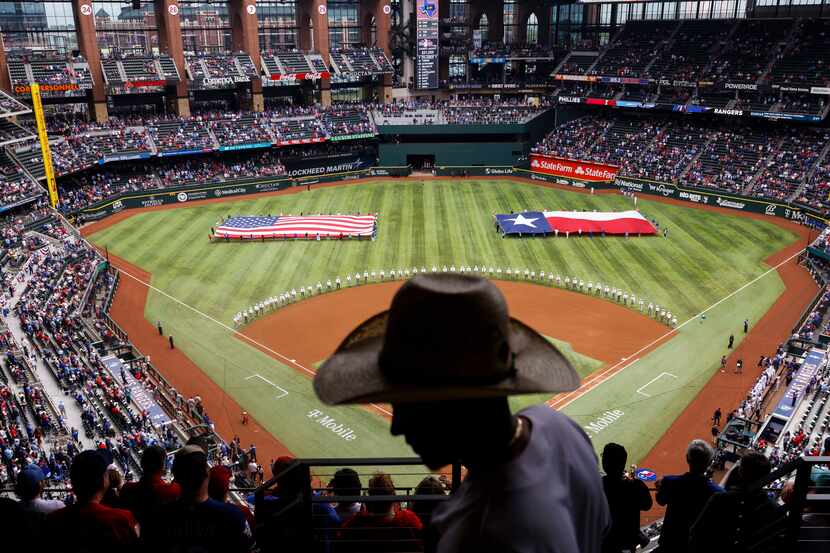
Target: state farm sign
<point>582,170</point>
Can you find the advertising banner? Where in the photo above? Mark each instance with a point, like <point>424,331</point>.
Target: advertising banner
<point>803,376</point>
<point>184,152</point>
<point>707,197</point>
<point>341,138</point>
<point>145,84</point>
<point>141,396</point>
<point>308,76</point>
<point>780,116</point>
<point>64,87</point>
<point>580,78</point>
<point>124,157</point>
<point>300,167</point>
<point>583,170</point>
<point>250,146</point>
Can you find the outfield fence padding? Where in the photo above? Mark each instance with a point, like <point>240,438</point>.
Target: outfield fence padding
<point>240,187</point>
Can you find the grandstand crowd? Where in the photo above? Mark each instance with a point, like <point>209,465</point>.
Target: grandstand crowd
<point>106,482</point>
<point>772,162</point>
<point>92,468</point>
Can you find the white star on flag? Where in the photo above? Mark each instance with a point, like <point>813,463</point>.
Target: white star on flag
<point>522,220</point>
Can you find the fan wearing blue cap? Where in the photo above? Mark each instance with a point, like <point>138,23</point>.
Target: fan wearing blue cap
<point>29,488</point>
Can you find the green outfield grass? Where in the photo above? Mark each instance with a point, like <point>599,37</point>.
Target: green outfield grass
<point>708,255</point>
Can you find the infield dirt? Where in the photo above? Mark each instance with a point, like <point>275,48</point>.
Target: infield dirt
<point>311,329</point>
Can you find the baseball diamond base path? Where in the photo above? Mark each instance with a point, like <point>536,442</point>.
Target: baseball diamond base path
<point>726,390</point>
<point>797,293</point>
<point>128,311</point>
<point>311,330</point>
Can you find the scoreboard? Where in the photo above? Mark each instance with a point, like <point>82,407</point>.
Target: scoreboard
<point>426,74</point>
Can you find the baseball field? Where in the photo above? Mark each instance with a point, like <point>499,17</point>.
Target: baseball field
<point>639,374</point>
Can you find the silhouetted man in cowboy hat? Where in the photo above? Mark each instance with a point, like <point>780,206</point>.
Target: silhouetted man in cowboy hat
<point>446,356</point>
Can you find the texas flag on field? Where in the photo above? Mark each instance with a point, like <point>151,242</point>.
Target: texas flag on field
<point>575,222</point>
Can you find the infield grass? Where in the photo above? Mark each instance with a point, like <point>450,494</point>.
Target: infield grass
<point>707,256</point>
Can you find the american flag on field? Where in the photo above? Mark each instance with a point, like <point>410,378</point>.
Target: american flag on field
<point>296,226</point>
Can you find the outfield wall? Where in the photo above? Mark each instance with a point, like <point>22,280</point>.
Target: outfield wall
<point>310,174</point>
<point>240,187</point>
<point>792,212</point>
<point>477,154</point>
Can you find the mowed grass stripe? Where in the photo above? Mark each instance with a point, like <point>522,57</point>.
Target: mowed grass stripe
<point>440,233</point>
<point>439,222</point>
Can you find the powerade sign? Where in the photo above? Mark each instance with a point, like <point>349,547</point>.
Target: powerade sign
<point>313,167</point>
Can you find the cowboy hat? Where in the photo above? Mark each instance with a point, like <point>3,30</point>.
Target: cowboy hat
<point>445,336</point>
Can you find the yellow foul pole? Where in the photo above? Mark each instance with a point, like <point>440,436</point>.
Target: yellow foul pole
<point>44,145</point>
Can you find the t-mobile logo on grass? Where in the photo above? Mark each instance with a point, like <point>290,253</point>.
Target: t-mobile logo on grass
<point>603,422</point>
<point>337,427</point>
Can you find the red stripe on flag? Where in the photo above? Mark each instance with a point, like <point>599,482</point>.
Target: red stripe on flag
<point>620,226</point>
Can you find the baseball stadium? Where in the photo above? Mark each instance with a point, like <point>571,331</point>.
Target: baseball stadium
<point>415,275</point>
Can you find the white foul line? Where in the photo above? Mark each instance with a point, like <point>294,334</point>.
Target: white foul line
<point>556,402</point>
<point>283,391</point>
<point>562,401</point>
<point>640,389</point>
<point>234,331</point>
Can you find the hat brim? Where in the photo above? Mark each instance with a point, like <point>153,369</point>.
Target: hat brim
<point>353,375</point>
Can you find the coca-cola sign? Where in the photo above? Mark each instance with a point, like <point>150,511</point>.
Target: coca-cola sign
<point>582,170</point>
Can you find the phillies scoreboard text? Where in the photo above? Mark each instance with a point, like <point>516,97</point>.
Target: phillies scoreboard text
<point>426,76</point>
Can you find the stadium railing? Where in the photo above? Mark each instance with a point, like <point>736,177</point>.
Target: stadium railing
<point>288,509</point>
<point>292,515</point>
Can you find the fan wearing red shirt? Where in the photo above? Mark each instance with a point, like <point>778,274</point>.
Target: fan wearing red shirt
<point>142,497</point>
<point>88,526</point>
<point>381,527</point>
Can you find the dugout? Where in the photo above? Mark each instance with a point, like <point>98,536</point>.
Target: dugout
<point>737,436</point>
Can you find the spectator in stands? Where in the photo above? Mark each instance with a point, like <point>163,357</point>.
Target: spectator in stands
<point>219,488</point>
<point>112,497</point>
<point>383,526</point>
<point>282,522</point>
<point>424,507</point>
<point>195,521</point>
<point>626,498</point>
<point>87,525</point>
<point>144,496</point>
<point>448,378</point>
<point>731,518</point>
<point>685,496</point>
<point>29,489</point>
<point>346,482</point>
<point>13,520</point>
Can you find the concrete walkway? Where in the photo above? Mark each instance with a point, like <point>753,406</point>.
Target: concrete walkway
<point>50,384</point>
